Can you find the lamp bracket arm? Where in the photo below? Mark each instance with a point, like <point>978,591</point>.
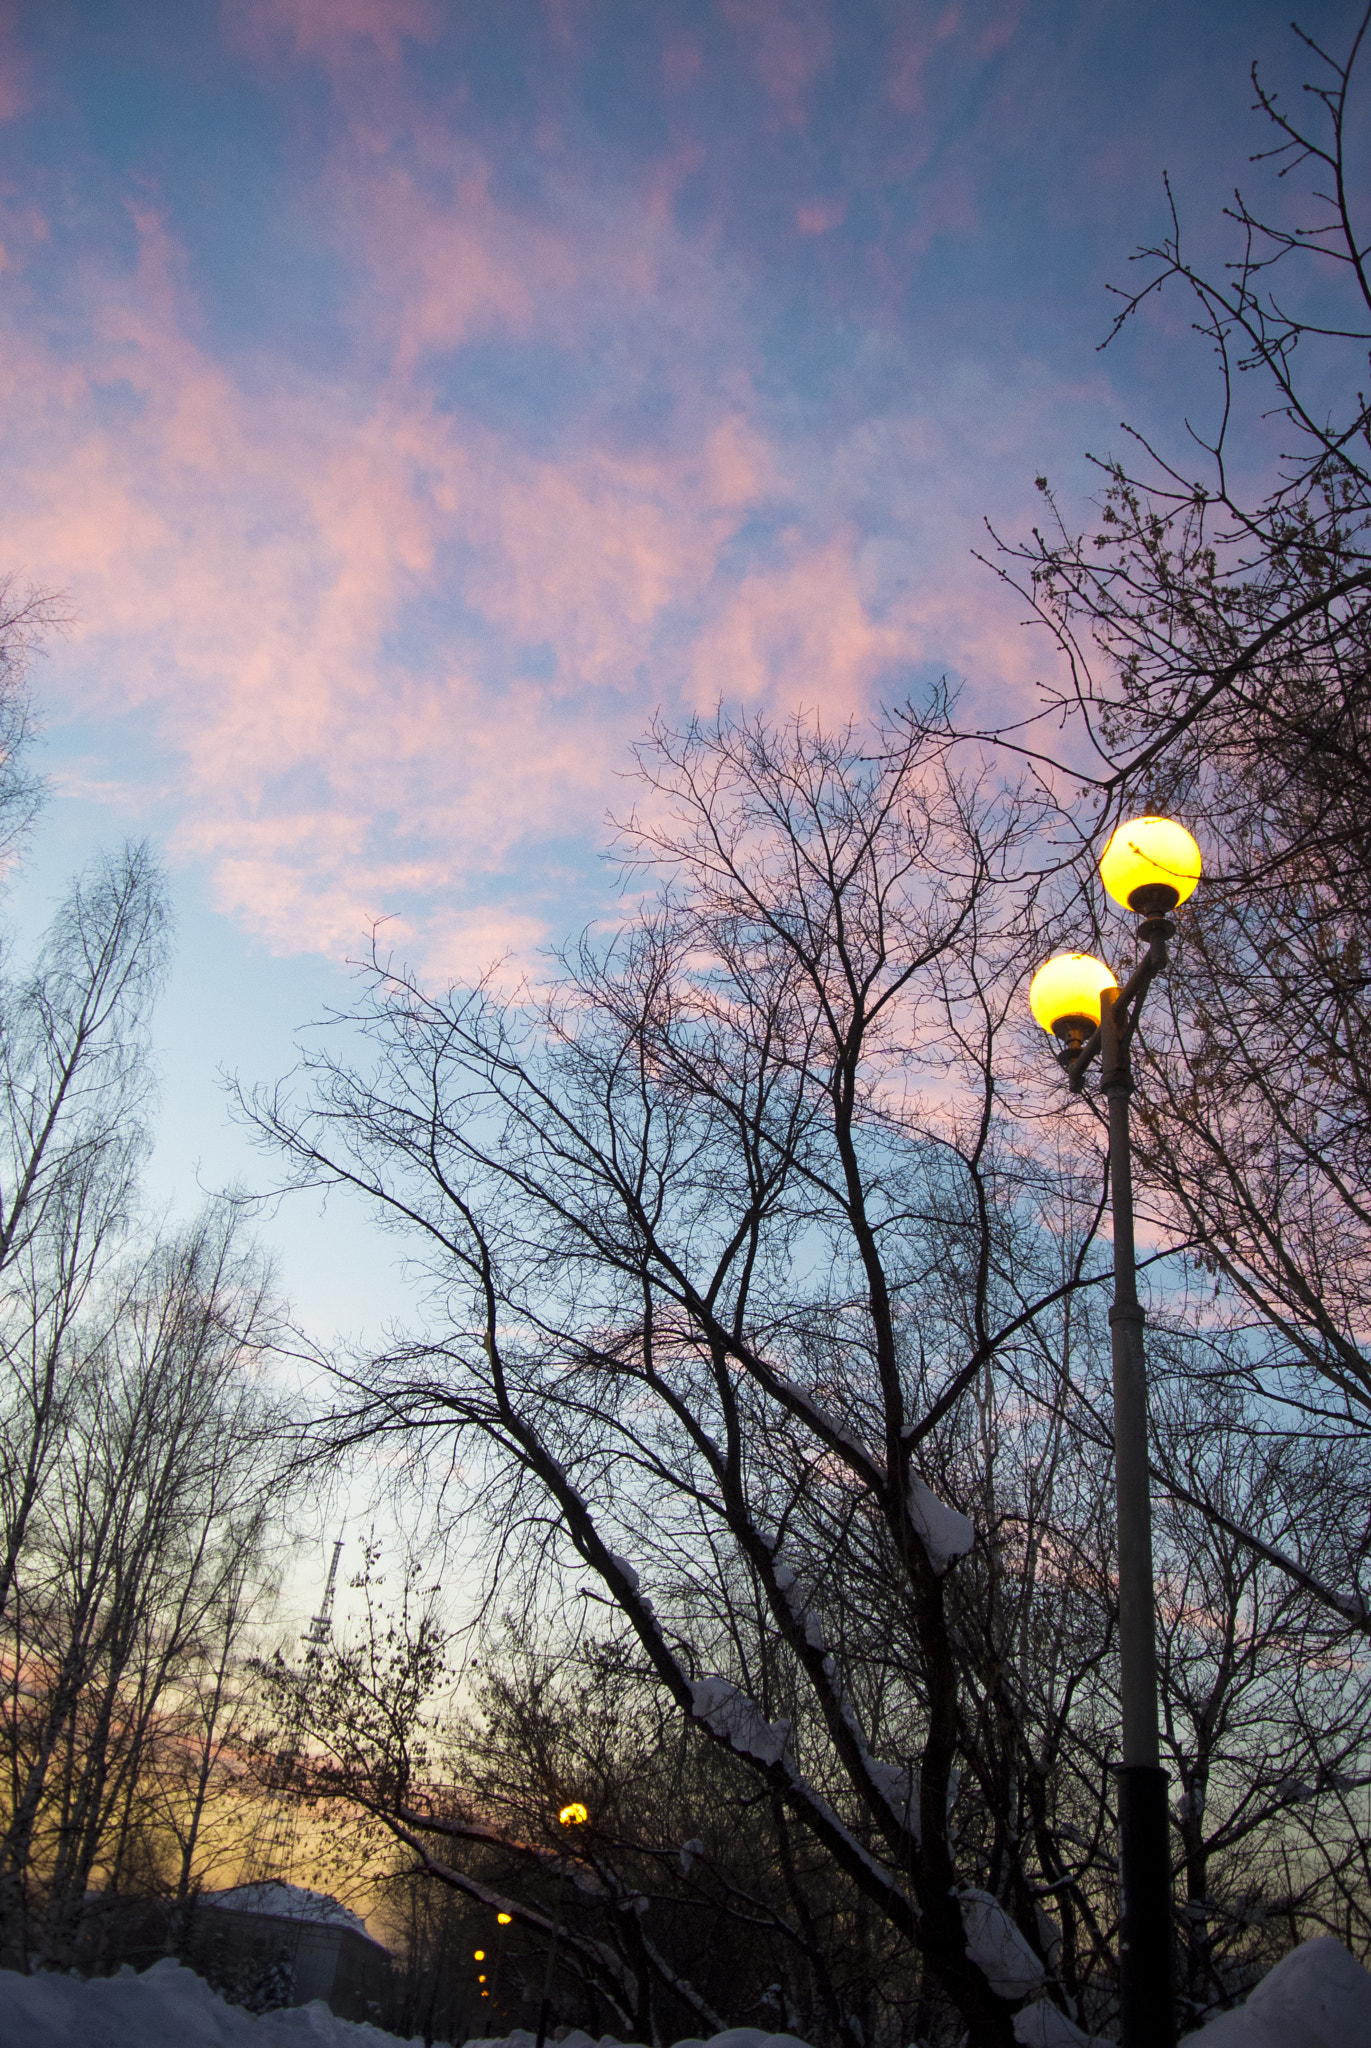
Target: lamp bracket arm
<point>1128,1003</point>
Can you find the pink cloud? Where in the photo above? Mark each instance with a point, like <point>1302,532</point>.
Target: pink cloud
<point>239,561</point>
<point>441,270</point>
<point>331,29</point>
<point>799,634</point>
<point>682,60</point>
<point>16,79</point>
<point>246,545</point>
<point>241,564</point>
<point>913,46</point>
<point>789,47</point>
<point>925,32</point>
<point>821,215</point>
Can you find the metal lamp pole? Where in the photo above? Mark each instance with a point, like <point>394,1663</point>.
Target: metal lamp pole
<point>502,1921</point>
<point>545,2004</point>
<point>1146,1962</point>
<point>1146,1959</point>
<point>573,1816</point>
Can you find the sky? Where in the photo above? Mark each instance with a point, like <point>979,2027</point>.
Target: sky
<point>415,397</point>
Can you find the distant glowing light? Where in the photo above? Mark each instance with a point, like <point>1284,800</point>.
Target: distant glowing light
<point>573,1816</point>
<point>504,1918</point>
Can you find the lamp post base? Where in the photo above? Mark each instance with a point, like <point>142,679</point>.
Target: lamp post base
<point>1147,1994</point>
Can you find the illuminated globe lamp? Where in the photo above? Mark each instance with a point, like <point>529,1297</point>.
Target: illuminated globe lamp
<point>573,1816</point>
<point>1150,865</point>
<point>1065,995</point>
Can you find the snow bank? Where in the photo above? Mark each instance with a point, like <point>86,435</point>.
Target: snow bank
<point>735,2037</point>
<point>286,1902</point>
<point>1318,1996</point>
<point>170,2007</point>
<point>167,2007</point>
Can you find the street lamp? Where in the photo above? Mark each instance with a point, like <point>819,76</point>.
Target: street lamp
<point>502,1921</point>
<point>572,1816</point>
<point>1150,866</point>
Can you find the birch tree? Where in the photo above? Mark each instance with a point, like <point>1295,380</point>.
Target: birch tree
<point>160,1496</point>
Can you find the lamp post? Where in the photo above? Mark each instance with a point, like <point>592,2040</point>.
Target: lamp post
<point>1149,866</point>
<point>502,1921</point>
<point>572,1816</point>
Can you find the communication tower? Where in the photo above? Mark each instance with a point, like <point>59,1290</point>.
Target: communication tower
<point>276,1838</point>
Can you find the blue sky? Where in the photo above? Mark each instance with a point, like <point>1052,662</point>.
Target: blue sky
<point>413,397</point>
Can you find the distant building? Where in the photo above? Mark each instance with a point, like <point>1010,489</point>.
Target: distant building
<point>274,1944</point>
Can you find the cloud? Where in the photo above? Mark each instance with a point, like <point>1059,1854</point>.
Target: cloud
<point>799,633</point>
<point>789,45</point>
<point>331,30</point>
<point>396,639</point>
<point>821,215</point>
<point>244,562</point>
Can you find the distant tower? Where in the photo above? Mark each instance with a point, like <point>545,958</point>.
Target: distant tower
<point>321,1625</point>
<point>276,1840</point>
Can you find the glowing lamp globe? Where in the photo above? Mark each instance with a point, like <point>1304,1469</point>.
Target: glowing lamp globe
<point>1064,996</point>
<point>1151,865</point>
<point>504,1918</point>
<point>573,1816</point>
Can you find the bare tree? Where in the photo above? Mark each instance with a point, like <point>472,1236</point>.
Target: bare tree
<point>28,615</point>
<point>157,1500</point>
<point>1215,626</point>
<point>74,1089</point>
<point>193,1785</point>
<point>692,1903</point>
<point>727,1230</point>
<point>137,1457</point>
<point>696,1903</point>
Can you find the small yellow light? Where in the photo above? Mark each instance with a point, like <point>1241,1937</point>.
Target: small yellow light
<point>480,1955</point>
<point>482,1978</point>
<point>1068,989</point>
<point>504,1918</point>
<point>1155,855</point>
<point>573,1816</point>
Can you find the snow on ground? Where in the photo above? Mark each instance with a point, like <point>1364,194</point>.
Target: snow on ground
<point>735,2037</point>
<point>167,2007</point>
<point>1318,1996</point>
<point>286,1902</point>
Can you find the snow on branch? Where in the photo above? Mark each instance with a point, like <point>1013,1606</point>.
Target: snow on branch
<point>945,1534</point>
